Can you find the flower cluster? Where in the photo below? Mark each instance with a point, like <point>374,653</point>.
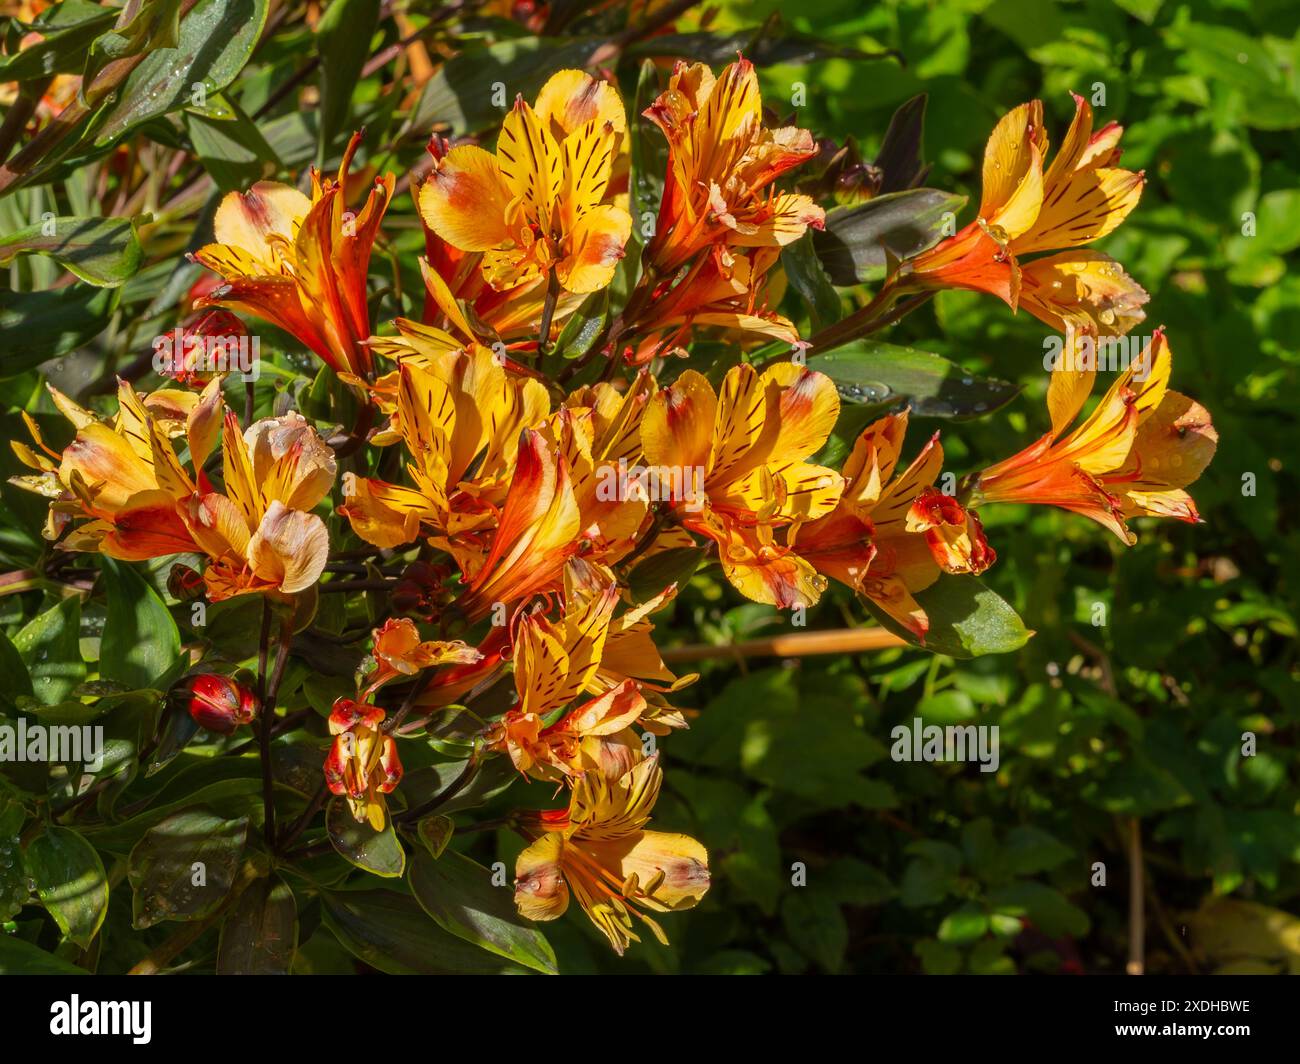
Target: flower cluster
<point>482,476</point>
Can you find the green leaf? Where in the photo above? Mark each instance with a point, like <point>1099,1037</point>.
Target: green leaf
<point>216,40</point>
<point>872,376</point>
<point>142,27</point>
<point>648,152</point>
<point>900,159</point>
<point>458,893</point>
<point>140,644</point>
<point>17,681</point>
<point>18,957</point>
<point>673,566</point>
<point>343,43</point>
<point>808,278</point>
<point>390,932</point>
<point>50,647</point>
<point>39,326</point>
<point>461,96</point>
<point>376,852</point>
<point>931,875</point>
<point>232,150</point>
<point>584,327</point>
<point>1048,909</point>
<point>259,935</point>
<point>964,926</point>
<point>966,619</point>
<point>856,239</point>
<point>70,882</point>
<point>816,925</point>
<point>100,251</point>
<point>938,958</point>
<point>184,867</point>
<point>66,31</point>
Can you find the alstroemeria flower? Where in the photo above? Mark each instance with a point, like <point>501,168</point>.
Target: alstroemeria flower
<point>362,765</point>
<point>537,206</point>
<point>258,532</point>
<point>537,533</point>
<point>889,537</point>
<point>1028,208</point>
<point>612,506</point>
<point>123,474</point>
<point>740,459</point>
<point>726,288</point>
<point>456,278</point>
<point>555,662</point>
<point>301,263</point>
<point>399,651</point>
<point>722,162</point>
<point>459,415</point>
<point>1133,456</point>
<point>954,534</point>
<point>598,850</point>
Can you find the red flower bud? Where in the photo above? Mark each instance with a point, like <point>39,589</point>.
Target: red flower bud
<point>219,704</point>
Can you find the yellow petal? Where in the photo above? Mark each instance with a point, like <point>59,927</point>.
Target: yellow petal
<point>464,200</point>
<point>261,222</point>
<point>540,890</point>
<point>596,243</point>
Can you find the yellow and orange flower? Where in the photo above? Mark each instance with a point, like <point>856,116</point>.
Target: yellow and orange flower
<point>1133,456</point>
<point>259,533</point>
<point>538,206</point>
<point>739,469</point>
<point>599,851</point>
<point>125,476</point>
<point>722,162</point>
<point>537,533</point>
<point>301,263</point>
<point>1028,208</point>
<point>460,416</point>
<point>726,288</point>
<point>889,537</point>
<point>400,652</point>
<point>586,651</point>
<point>362,765</point>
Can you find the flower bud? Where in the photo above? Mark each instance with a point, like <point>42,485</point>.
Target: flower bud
<point>217,703</point>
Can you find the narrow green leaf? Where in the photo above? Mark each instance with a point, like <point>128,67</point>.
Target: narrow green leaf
<point>873,375</point>
<point>100,251</point>
<point>967,619</point>
<point>459,894</point>
<point>390,932</point>
<point>856,239</point>
<point>216,40</point>
<point>343,43</point>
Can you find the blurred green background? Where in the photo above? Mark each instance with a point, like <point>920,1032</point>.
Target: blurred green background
<point>939,868</point>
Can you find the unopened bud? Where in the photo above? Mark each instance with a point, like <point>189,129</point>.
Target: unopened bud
<point>217,703</point>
